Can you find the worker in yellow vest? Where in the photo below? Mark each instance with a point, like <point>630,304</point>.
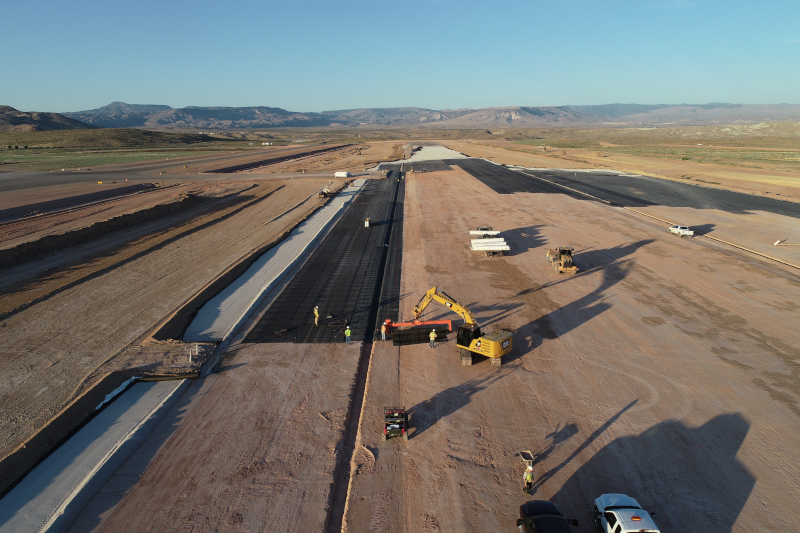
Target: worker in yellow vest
<point>528,477</point>
<point>432,337</point>
<point>347,335</point>
<point>316,315</point>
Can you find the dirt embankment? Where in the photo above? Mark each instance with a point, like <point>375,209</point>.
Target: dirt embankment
<point>60,342</point>
<point>89,243</point>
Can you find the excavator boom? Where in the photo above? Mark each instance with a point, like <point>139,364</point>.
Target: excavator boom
<point>445,300</point>
<point>469,339</point>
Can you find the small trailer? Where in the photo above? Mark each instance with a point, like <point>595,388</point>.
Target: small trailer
<point>341,174</point>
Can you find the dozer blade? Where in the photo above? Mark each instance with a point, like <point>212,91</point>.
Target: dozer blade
<point>421,335</point>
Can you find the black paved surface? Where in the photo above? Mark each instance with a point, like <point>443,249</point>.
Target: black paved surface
<point>418,166</point>
<point>627,191</point>
<point>641,191</point>
<point>503,180</point>
<point>345,275</point>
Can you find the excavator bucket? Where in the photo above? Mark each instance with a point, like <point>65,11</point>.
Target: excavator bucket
<point>420,335</point>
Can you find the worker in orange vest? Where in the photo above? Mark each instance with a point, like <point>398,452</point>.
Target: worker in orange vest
<point>383,331</point>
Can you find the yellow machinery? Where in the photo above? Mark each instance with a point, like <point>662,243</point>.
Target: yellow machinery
<point>469,337</point>
<point>561,259</point>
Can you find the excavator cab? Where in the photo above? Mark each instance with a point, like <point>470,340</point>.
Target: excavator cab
<point>467,333</point>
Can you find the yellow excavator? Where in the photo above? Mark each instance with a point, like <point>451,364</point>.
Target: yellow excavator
<point>469,337</point>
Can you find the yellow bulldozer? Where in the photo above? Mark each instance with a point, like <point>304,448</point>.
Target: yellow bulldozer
<point>469,337</point>
<point>561,259</point>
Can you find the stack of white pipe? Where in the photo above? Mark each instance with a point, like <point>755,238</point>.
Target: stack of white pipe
<point>490,245</point>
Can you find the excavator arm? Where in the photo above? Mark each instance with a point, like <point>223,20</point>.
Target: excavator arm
<point>445,300</point>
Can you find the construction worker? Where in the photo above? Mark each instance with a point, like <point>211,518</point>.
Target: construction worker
<point>528,477</point>
<point>316,315</point>
<point>383,331</point>
<point>347,335</point>
<point>432,337</point>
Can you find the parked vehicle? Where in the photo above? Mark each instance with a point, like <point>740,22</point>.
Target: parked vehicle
<point>395,422</point>
<point>541,516</point>
<point>681,231</point>
<point>618,513</point>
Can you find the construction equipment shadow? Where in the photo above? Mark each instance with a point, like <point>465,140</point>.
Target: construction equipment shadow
<point>520,240</point>
<point>566,318</point>
<point>427,413</point>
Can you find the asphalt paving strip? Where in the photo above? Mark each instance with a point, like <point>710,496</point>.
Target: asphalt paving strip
<point>344,276</point>
<point>642,191</point>
<point>503,180</point>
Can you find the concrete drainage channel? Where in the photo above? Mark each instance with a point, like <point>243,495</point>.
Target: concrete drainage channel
<point>52,495</point>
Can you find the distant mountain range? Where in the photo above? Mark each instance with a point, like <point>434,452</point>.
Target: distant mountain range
<point>163,117</point>
<point>119,115</point>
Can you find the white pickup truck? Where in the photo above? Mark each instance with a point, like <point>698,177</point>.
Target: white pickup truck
<point>681,231</point>
<point>617,513</point>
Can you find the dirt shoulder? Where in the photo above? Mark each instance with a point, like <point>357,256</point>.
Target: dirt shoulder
<point>259,450</point>
<point>761,182</point>
<point>637,376</point>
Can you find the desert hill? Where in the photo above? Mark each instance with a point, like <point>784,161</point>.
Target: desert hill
<point>119,115</point>
<point>12,120</point>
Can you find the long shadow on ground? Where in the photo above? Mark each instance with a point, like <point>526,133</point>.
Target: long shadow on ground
<point>690,476</point>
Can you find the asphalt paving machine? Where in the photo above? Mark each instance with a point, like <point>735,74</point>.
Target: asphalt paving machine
<point>469,337</point>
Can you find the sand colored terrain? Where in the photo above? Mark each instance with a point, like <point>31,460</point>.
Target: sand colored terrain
<point>62,341</point>
<point>257,452</point>
<point>651,373</point>
<point>352,158</point>
<point>664,369</point>
<point>763,182</point>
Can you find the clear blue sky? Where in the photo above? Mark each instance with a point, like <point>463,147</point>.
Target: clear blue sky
<point>316,55</point>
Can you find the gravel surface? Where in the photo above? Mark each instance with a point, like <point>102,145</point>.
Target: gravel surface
<point>257,452</point>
